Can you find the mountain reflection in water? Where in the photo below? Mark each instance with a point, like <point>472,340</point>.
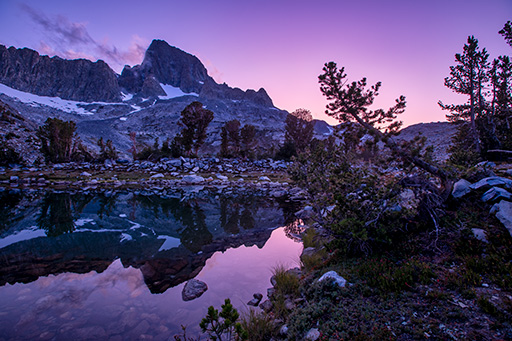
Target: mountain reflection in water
<point>124,241</point>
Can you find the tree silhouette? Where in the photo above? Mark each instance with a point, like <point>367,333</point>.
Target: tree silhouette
<point>350,102</point>
<point>194,120</point>
<point>468,77</point>
<point>299,129</point>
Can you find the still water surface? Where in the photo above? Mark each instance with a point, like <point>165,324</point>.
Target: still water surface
<point>113,265</point>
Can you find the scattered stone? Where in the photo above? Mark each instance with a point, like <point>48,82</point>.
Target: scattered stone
<point>87,174</point>
<point>308,252</point>
<point>193,289</point>
<point>192,178</point>
<point>283,330</point>
<point>222,177</point>
<point>266,306</point>
<point>289,304</point>
<point>270,292</point>
<point>491,182</point>
<point>461,188</point>
<point>256,300</point>
<point>503,211</point>
<point>495,194</point>
<point>306,213</point>
<point>479,234</point>
<point>156,176</point>
<point>14,178</point>
<point>313,334</point>
<point>264,178</point>
<point>333,275</point>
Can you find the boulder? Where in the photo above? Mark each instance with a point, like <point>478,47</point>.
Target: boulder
<point>266,306</point>
<point>491,182</point>
<point>264,178</point>
<point>333,276</point>
<point>221,177</point>
<point>461,188</point>
<point>192,178</point>
<point>313,334</point>
<point>306,213</point>
<point>256,300</point>
<point>495,194</point>
<point>193,289</point>
<point>479,234</point>
<point>156,176</point>
<point>503,211</point>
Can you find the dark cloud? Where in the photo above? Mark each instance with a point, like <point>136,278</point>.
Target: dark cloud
<point>62,27</point>
<point>71,40</point>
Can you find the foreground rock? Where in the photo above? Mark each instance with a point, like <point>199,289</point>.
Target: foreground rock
<point>503,211</point>
<point>193,289</point>
<point>334,277</point>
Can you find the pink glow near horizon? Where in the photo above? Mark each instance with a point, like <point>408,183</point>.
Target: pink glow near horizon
<point>278,45</point>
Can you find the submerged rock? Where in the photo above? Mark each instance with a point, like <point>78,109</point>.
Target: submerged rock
<point>193,289</point>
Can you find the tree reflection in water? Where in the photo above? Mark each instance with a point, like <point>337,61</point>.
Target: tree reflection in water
<point>8,202</point>
<point>56,217</point>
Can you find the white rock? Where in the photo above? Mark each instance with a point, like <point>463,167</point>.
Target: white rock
<point>264,178</point>
<point>333,275</point>
<point>156,176</point>
<point>313,334</point>
<point>86,174</point>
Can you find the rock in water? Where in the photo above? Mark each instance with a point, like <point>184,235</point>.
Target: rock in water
<point>193,289</point>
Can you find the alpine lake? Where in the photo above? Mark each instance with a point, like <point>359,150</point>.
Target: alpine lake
<point>112,264</point>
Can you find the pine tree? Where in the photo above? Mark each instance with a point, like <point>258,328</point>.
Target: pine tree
<point>299,129</point>
<point>247,135</point>
<point>468,77</point>
<point>57,139</point>
<point>194,120</point>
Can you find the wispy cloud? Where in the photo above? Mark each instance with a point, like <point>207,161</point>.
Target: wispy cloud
<point>71,40</point>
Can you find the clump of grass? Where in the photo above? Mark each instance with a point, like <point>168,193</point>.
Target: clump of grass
<point>391,277</point>
<point>286,283</point>
<point>310,238</point>
<point>314,261</point>
<point>259,326</point>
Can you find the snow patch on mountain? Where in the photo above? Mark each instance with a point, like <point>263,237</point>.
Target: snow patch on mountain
<point>53,102</point>
<point>173,92</point>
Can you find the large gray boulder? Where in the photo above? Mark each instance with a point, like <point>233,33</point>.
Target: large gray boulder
<point>503,211</point>
<point>495,194</point>
<point>492,182</point>
<point>461,188</point>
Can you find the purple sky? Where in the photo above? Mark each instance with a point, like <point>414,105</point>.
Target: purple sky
<point>279,45</point>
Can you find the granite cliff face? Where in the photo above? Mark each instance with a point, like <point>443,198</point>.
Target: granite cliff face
<point>165,64</point>
<point>146,99</point>
<point>78,80</point>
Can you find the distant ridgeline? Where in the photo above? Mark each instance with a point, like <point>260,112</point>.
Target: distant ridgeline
<point>86,81</point>
<point>144,99</point>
